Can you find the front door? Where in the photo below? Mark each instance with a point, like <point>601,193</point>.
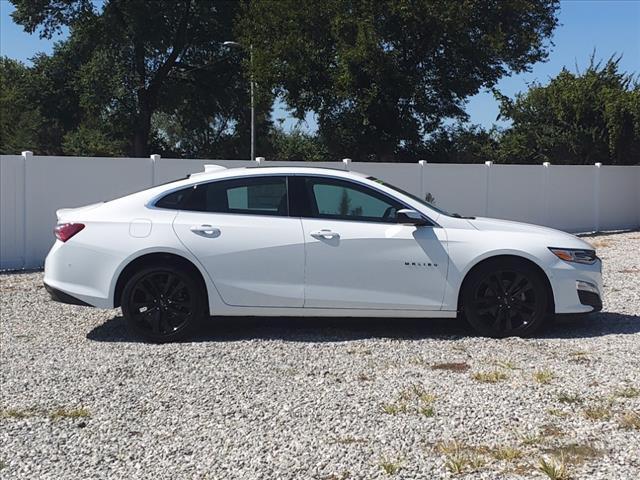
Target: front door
<point>240,231</point>
<point>357,256</point>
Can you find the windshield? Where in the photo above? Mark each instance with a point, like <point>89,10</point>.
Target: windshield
<point>411,195</point>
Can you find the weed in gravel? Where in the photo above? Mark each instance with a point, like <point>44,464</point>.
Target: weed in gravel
<point>554,468</point>
<point>338,476</point>
<point>531,439</point>
<point>455,464</point>
<point>630,420</point>
<point>600,243</point>
<point>493,376</point>
<point>506,453</point>
<point>570,398</point>
<point>17,413</point>
<point>543,377</point>
<point>427,410</point>
<point>452,367</point>
<point>598,412</point>
<point>60,413</point>
<point>2,465</point>
<point>363,377</point>
<point>412,399</point>
<point>349,440</point>
<point>556,412</point>
<point>574,452</point>
<point>391,466</point>
<point>550,430</point>
<point>395,408</point>
<point>628,392</point>
<point>449,447</point>
<point>506,364</point>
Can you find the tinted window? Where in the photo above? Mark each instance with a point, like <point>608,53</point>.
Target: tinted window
<point>255,196</point>
<point>331,198</point>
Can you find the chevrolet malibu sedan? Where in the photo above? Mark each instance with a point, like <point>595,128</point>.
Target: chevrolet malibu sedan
<point>300,241</point>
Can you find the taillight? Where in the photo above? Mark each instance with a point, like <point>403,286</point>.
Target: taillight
<point>64,231</point>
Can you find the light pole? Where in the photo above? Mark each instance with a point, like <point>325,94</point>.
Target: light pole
<point>253,104</point>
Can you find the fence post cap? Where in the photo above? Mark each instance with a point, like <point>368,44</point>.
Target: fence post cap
<point>422,162</point>
<point>155,157</point>
<point>598,164</point>
<point>27,153</point>
<point>546,164</point>
<point>488,163</point>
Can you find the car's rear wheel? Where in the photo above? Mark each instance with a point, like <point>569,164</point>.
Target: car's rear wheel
<point>162,304</point>
<point>505,298</point>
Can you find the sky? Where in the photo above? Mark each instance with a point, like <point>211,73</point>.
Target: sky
<point>607,26</point>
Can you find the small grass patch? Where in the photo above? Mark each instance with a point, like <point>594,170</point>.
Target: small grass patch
<point>17,413</point>
<point>427,410</point>
<point>569,398</point>
<point>73,413</point>
<point>598,412</point>
<point>391,466</point>
<point>460,458</point>
<point>456,367</point>
<point>493,376</point>
<point>630,420</point>
<point>600,243</point>
<point>628,392</point>
<point>507,453</point>
<point>363,377</point>
<point>554,468</point>
<point>455,463</point>
<point>543,377</point>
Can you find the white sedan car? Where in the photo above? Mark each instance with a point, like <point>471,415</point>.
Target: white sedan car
<point>301,241</point>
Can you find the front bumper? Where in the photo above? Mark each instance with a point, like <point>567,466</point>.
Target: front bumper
<point>570,293</point>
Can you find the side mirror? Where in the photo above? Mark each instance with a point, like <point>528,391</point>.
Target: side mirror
<point>407,216</point>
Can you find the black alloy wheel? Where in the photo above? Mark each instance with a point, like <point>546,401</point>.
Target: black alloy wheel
<point>503,299</point>
<point>162,304</point>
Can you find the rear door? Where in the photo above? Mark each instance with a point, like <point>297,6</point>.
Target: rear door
<point>240,231</point>
<point>358,256</point>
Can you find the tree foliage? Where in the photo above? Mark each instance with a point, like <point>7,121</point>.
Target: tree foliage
<point>137,58</point>
<point>578,118</point>
<point>380,75</point>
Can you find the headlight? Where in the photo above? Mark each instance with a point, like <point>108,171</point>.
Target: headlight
<point>575,255</point>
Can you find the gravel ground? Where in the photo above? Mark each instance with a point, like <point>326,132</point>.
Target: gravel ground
<point>320,399</point>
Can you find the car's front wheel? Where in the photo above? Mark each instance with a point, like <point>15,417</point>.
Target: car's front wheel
<point>162,304</point>
<point>505,298</point>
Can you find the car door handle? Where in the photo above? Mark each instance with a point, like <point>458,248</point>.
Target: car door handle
<point>325,234</point>
<point>205,230</point>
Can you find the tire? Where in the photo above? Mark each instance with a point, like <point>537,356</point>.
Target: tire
<point>505,298</point>
<point>163,304</point>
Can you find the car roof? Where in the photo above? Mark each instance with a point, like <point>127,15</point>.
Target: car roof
<point>276,169</point>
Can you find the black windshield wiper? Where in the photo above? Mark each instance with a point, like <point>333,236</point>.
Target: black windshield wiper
<point>457,215</point>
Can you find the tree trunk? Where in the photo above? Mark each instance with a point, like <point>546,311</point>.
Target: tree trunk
<point>141,134</point>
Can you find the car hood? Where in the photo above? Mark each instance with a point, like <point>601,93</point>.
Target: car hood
<point>553,237</point>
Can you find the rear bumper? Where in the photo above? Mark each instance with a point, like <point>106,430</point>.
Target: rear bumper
<point>62,297</point>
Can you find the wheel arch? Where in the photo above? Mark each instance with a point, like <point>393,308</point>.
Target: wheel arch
<point>158,258</point>
<point>503,257</point>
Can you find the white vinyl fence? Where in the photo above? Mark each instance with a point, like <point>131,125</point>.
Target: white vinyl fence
<point>572,198</point>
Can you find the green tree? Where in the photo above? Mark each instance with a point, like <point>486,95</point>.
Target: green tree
<point>20,119</point>
<point>578,118</point>
<point>132,59</point>
<point>297,145</point>
<point>462,144</point>
<point>382,74</point>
